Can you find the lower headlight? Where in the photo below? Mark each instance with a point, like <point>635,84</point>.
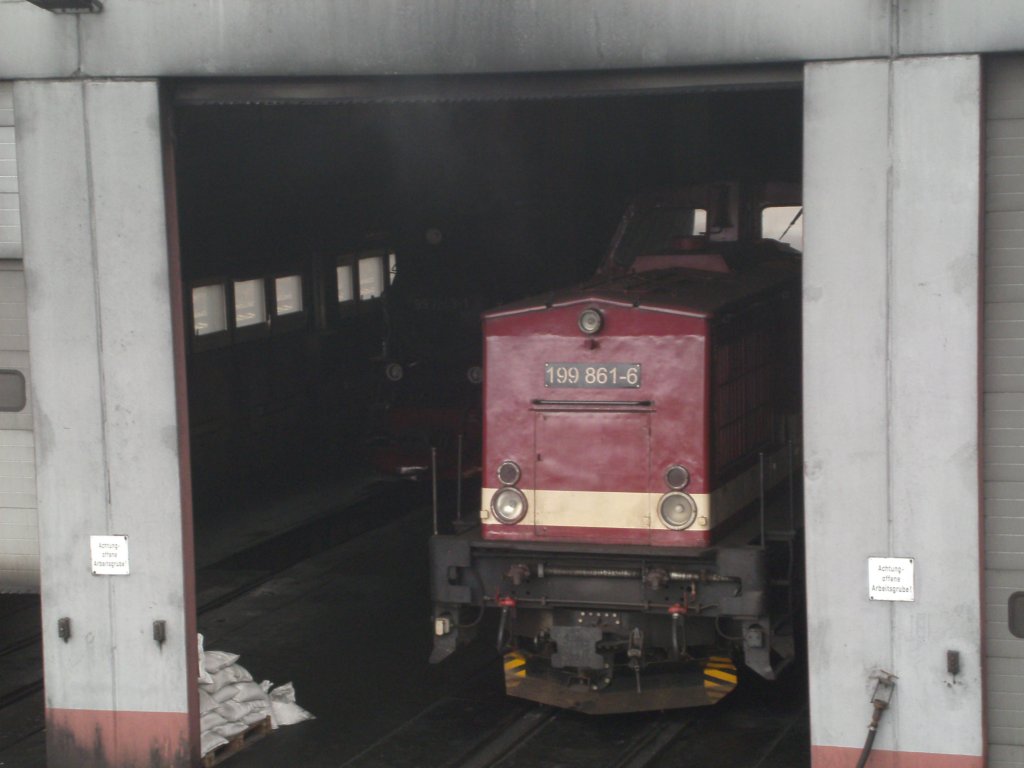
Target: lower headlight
<point>677,510</point>
<point>508,505</point>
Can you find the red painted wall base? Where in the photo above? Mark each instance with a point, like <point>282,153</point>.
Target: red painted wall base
<point>845,757</point>
<point>86,738</point>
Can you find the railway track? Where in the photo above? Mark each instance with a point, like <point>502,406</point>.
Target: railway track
<point>473,724</point>
<point>478,726</point>
<point>500,732</point>
<point>231,579</point>
<point>566,739</point>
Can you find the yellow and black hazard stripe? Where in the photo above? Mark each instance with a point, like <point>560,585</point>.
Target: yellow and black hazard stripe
<point>720,677</point>
<point>515,668</point>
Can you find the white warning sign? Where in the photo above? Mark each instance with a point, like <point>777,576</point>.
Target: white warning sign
<point>891,578</point>
<point>109,555</point>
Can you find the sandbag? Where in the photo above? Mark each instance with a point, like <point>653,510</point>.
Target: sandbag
<point>238,710</point>
<point>230,701</point>
<point>247,691</point>
<point>283,709</point>
<point>210,740</point>
<point>211,720</point>
<point>206,702</point>
<point>235,673</point>
<point>204,676</point>
<point>226,693</point>
<point>257,715</point>
<point>215,661</point>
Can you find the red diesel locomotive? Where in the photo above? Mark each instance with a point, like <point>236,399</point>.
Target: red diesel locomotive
<point>640,430</point>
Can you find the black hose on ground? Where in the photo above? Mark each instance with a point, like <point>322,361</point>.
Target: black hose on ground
<point>869,742</point>
<point>880,702</point>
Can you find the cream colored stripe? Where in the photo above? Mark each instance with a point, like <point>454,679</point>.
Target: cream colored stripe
<point>615,509</point>
<point>595,509</point>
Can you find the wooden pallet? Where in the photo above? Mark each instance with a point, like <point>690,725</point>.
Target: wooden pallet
<point>237,743</point>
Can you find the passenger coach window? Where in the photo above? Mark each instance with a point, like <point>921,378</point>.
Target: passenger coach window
<point>345,291</point>
<point>288,291</point>
<point>364,275</point>
<point>250,303</point>
<point>209,310</point>
<point>784,223</point>
<point>371,277</point>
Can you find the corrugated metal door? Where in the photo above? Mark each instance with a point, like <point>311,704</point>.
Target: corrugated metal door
<point>19,531</point>
<point>1004,405</point>
<point>10,222</point>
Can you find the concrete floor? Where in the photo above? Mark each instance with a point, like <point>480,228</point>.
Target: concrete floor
<point>351,629</point>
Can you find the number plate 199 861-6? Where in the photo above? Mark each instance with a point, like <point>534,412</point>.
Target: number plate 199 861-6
<point>606,375</point>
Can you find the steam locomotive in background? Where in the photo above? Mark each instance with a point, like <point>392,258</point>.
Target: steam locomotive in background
<point>426,407</point>
<point>638,526</point>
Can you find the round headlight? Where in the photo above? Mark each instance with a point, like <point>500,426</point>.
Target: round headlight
<point>508,473</point>
<point>677,510</point>
<point>394,371</point>
<point>590,321</point>
<point>677,476</point>
<point>475,374</point>
<point>508,505</point>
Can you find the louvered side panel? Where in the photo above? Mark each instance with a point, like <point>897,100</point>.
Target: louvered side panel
<point>19,529</point>
<point>10,216</point>
<point>1004,406</point>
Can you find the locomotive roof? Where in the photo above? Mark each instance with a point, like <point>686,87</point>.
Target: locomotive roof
<point>701,284</point>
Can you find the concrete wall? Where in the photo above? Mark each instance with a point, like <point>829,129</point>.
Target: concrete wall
<point>952,26</point>
<point>891,190</point>
<point>333,37</point>
<point>96,265</point>
<point>35,43</point>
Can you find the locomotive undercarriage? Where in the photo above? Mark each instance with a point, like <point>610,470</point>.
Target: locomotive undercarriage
<point>617,629</point>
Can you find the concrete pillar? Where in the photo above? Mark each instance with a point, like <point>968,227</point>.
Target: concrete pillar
<point>100,328</point>
<point>891,320</point>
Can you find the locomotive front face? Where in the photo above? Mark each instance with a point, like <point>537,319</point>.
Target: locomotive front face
<point>596,426</point>
<point>633,425</point>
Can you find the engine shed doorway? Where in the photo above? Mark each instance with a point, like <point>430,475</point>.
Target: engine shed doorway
<point>520,180</point>
<point>331,230</point>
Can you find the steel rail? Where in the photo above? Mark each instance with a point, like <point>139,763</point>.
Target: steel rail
<point>510,739</point>
<point>657,737</point>
<point>648,741</point>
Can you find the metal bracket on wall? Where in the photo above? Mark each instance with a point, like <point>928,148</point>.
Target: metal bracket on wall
<point>160,631</point>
